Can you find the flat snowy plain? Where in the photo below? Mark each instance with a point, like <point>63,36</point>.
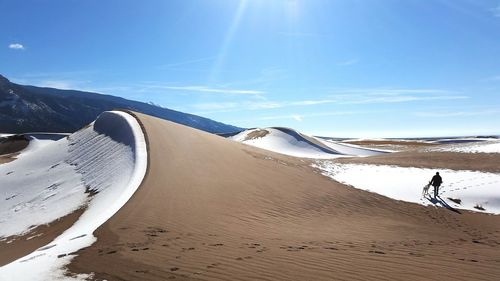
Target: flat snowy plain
<point>474,190</point>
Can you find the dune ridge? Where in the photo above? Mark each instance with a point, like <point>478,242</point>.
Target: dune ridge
<point>290,142</point>
<point>96,169</point>
<point>214,209</point>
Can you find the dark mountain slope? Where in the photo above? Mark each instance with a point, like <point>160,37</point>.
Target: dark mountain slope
<point>30,108</point>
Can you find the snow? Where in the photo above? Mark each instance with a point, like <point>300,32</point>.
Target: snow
<point>286,143</point>
<point>289,142</point>
<point>473,188</point>
<point>353,150</point>
<point>108,159</point>
<point>481,147</point>
<point>40,140</point>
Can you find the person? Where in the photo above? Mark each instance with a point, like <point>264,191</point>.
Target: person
<point>436,183</point>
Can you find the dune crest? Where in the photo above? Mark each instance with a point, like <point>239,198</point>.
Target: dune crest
<point>97,168</point>
<point>214,209</point>
<point>290,142</point>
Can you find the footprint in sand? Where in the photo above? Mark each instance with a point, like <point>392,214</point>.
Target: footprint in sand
<point>376,252</point>
<point>213,265</point>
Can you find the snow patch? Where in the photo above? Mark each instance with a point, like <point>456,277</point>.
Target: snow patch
<point>286,142</point>
<point>476,147</point>
<point>97,168</point>
<point>290,142</point>
<point>473,188</point>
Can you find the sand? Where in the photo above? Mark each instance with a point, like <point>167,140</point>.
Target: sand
<point>15,247</point>
<point>259,133</point>
<point>11,146</point>
<point>214,209</point>
<point>485,162</point>
<point>394,145</point>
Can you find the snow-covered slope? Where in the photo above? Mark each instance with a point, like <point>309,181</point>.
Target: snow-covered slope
<point>471,190</point>
<point>39,140</point>
<point>97,168</point>
<point>351,149</point>
<point>489,146</point>
<point>290,142</point>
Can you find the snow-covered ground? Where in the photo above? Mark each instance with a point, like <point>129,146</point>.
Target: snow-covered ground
<point>473,189</point>
<point>290,142</point>
<point>491,146</point>
<point>97,168</point>
<point>39,140</point>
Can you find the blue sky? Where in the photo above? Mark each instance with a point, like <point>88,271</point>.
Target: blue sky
<point>345,68</point>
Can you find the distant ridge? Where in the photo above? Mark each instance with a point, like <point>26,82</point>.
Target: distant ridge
<point>290,142</point>
<point>29,108</point>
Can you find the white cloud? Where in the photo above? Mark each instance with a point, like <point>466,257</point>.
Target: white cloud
<point>348,62</point>
<point>303,34</point>
<point>16,46</point>
<point>496,11</point>
<point>206,89</point>
<point>341,97</point>
<point>457,113</point>
<point>62,84</point>
<point>255,105</point>
<point>216,105</point>
<point>366,96</point>
<point>187,62</point>
<point>301,117</point>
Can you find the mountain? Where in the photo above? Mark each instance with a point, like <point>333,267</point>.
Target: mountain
<point>29,108</point>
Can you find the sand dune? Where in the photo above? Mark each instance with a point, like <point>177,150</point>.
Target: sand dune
<point>58,193</point>
<point>214,209</point>
<point>290,142</point>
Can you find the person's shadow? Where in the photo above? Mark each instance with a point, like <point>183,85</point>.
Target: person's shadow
<point>439,201</point>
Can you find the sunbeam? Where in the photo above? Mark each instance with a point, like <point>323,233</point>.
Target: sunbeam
<point>221,56</point>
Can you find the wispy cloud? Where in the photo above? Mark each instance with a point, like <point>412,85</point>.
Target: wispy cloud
<point>301,117</point>
<point>187,62</point>
<point>16,46</point>
<point>62,84</point>
<point>380,96</point>
<point>210,108</point>
<point>207,89</point>
<point>216,106</point>
<point>340,97</point>
<point>302,34</point>
<point>348,62</point>
<point>496,11</point>
<point>457,113</point>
